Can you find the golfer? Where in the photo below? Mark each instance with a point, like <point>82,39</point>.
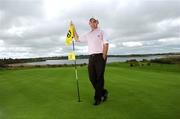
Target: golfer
<point>98,49</point>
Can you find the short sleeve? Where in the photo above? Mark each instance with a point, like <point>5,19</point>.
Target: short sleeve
<point>104,38</point>
<point>83,38</point>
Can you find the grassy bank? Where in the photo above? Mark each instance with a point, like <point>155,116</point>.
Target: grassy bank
<point>148,92</point>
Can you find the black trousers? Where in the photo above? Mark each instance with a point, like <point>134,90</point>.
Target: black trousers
<point>96,69</point>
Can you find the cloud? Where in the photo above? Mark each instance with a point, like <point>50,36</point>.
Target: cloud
<point>132,44</point>
<point>170,41</point>
<point>112,46</point>
<point>37,28</point>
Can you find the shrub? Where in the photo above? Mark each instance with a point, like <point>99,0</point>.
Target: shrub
<point>133,62</point>
<point>2,64</point>
<point>162,61</point>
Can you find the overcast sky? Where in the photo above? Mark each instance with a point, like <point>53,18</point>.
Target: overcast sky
<point>38,28</point>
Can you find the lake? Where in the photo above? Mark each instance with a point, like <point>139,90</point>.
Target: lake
<point>81,61</point>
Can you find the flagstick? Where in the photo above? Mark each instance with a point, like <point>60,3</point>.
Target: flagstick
<point>76,75</point>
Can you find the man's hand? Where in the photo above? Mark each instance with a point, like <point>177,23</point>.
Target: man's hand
<point>104,56</point>
<point>71,23</point>
<point>75,35</point>
<point>105,50</point>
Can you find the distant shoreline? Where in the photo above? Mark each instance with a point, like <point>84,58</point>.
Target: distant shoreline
<point>83,59</point>
<point>86,56</point>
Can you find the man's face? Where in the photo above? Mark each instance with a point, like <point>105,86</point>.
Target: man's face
<point>93,23</point>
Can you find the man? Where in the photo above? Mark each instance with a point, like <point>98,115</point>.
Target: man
<point>97,48</point>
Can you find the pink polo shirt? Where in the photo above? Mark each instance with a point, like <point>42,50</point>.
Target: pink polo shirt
<point>95,40</point>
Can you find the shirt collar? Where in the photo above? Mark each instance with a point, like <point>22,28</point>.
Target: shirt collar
<point>95,29</point>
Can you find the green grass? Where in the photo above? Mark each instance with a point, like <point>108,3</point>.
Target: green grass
<point>148,92</point>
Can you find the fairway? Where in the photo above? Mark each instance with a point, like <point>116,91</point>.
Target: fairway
<point>148,92</point>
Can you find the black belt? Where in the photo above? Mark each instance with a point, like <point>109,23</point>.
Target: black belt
<point>92,55</point>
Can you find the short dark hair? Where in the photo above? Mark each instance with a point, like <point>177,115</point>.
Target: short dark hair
<point>94,19</point>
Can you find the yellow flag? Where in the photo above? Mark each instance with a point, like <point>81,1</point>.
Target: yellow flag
<point>72,56</point>
<point>70,35</point>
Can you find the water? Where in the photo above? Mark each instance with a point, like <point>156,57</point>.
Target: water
<point>81,61</point>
